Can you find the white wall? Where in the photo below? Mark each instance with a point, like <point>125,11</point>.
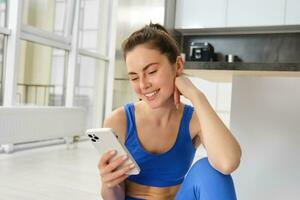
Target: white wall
<point>265,118</point>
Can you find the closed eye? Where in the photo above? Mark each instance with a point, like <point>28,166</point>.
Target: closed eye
<point>152,72</point>
<point>134,79</point>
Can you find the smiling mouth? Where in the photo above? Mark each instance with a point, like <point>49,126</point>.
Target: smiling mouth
<point>152,93</point>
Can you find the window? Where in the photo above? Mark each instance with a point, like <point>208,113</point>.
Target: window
<point>41,76</point>
<point>2,13</point>
<point>47,47</point>
<point>92,24</point>
<point>42,54</point>
<point>89,88</point>
<point>1,67</point>
<point>93,59</point>
<point>49,15</point>
<point>2,24</point>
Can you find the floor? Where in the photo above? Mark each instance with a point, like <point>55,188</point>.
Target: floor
<point>52,173</point>
<point>55,172</point>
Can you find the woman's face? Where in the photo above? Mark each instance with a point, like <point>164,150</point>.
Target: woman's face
<point>151,75</point>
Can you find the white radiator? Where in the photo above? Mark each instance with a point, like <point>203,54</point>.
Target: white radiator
<point>25,124</point>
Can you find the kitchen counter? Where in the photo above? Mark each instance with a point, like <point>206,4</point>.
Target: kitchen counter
<point>223,71</point>
<point>243,66</point>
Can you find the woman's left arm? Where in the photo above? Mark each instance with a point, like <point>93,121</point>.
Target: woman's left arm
<point>222,148</point>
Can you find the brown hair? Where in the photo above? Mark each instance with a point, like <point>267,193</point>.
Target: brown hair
<point>157,37</point>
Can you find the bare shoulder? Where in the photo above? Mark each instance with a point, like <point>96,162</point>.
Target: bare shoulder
<point>195,129</point>
<point>117,121</point>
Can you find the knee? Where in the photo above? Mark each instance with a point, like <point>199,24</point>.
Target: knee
<point>203,172</point>
<point>208,183</point>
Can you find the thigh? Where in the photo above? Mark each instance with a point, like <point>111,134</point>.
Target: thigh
<point>203,182</point>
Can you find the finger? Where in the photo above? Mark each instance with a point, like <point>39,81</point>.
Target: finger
<point>116,181</point>
<point>119,173</point>
<point>176,97</point>
<point>105,158</point>
<point>113,165</point>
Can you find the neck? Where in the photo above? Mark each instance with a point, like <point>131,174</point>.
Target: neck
<point>161,115</point>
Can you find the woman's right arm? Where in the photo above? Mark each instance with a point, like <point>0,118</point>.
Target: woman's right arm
<point>113,187</point>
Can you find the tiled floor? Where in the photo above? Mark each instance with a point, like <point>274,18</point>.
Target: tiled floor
<point>54,172</point>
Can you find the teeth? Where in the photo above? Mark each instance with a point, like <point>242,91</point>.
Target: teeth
<point>151,94</point>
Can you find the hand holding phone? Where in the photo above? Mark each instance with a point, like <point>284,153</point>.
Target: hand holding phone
<point>110,171</point>
<point>105,140</point>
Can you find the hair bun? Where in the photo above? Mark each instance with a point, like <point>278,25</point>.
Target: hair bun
<point>156,37</point>
<point>158,27</point>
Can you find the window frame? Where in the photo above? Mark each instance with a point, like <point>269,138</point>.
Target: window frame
<point>15,31</point>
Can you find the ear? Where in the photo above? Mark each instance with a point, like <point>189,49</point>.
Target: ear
<point>179,65</point>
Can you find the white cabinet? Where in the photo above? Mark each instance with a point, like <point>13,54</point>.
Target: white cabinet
<point>200,14</point>
<point>255,13</point>
<point>292,12</point>
<point>203,14</point>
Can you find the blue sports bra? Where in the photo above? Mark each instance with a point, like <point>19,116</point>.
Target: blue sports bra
<point>165,169</point>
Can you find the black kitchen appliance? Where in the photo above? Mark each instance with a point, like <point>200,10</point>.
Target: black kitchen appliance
<point>201,51</point>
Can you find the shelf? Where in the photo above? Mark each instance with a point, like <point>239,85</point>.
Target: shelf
<point>223,72</point>
<point>240,30</point>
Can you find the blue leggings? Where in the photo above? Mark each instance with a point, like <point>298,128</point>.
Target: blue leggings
<point>203,182</point>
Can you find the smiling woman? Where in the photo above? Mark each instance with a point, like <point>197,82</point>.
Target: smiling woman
<point>162,133</point>
<point>152,77</point>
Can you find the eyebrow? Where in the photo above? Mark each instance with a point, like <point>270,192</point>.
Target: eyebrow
<point>145,68</point>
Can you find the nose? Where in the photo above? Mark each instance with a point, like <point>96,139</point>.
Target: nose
<point>144,82</point>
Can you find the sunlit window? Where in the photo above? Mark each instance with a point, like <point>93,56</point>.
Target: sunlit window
<point>3,12</point>
<point>1,67</point>
<point>93,22</point>
<point>49,15</point>
<point>89,88</point>
<point>3,5</point>
<point>41,78</point>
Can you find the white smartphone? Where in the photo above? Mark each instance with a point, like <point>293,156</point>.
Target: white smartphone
<point>104,139</point>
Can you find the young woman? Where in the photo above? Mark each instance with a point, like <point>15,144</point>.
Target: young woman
<point>162,134</point>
